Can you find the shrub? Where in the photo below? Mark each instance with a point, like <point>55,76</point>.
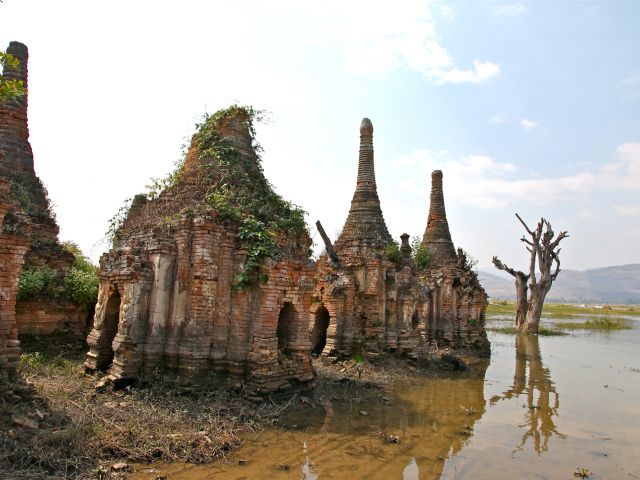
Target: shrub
<point>421,254</point>
<point>81,287</point>
<point>81,281</point>
<point>392,252</point>
<point>38,282</point>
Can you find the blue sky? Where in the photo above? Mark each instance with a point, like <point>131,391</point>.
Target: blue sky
<point>529,107</point>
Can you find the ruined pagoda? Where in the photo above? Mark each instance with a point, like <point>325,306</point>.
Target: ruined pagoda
<point>210,282</point>
<point>370,298</point>
<point>29,234</point>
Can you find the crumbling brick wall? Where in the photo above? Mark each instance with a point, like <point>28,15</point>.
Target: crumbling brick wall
<point>28,197</point>
<point>169,300</point>
<point>365,301</point>
<point>13,247</point>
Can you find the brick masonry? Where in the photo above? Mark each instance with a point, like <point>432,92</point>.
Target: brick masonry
<point>14,242</point>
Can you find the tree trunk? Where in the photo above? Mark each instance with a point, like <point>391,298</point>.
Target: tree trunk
<point>521,300</point>
<point>534,310</point>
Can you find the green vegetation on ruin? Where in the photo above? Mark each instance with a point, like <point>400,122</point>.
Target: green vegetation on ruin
<point>26,189</point>
<point>420,253</point>
<point>79,285</point>
<point>234,187</point>
<point>392,252</point>
<point>10,88</point>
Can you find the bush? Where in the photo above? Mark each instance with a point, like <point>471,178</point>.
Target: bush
<point>421,255</point>
<point>81,281</point>
<point>38,282</point>
<point>80,284</point>
<point>392,252</point>
<point>81,287</point>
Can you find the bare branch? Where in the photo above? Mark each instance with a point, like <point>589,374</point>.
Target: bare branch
<point>529,242</point>
<point>555,243</point>
<point>524,225</point>
<point>501,266</point>
<point>557,260</point>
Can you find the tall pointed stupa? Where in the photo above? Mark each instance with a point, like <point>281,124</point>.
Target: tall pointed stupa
<point>15,149</point>
<point>365,227</point>
<point>437,237</point>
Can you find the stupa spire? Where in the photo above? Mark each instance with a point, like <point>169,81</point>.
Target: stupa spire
<point>437,237</point>
<point>365,225</point>
<point>15,150</point>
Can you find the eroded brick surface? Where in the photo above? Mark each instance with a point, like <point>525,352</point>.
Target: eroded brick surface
<point>14,242</point>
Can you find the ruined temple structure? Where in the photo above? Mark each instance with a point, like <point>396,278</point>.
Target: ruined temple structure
<point>180,293</point>
<point>25,204</point>
<point>370,297</point>
<point>40,315</point>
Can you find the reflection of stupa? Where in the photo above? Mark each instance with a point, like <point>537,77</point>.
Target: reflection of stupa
<point>532,379</point>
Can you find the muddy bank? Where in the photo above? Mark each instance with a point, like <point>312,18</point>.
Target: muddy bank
<point>55,424</point>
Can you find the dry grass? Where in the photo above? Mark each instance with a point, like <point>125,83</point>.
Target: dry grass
<point>81,432</point>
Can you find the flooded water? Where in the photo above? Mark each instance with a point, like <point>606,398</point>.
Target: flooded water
<point>544,407</point>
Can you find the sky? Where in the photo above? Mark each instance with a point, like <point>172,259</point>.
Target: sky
<point>528,107</point>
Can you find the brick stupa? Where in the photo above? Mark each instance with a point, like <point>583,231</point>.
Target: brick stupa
<point>26,211</point>
<point>369,300</point>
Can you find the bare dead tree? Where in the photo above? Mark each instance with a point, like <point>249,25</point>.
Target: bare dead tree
<point>522,290</point>
<point>544,251</point>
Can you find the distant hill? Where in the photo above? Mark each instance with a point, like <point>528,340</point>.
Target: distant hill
<point>619,284</point>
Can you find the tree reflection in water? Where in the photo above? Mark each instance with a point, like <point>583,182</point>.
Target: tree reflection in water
<point>543,401</point>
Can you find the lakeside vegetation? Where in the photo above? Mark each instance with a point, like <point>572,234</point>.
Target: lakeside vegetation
<point>563,317</point>
<point>504,307</point>
<point>544,331</point>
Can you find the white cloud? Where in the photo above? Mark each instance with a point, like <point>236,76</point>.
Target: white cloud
<point>627,210</point>
<point>383,37</point>
<point>587,215</point>
<point>483,182</point>
<point>625,173</point>
<point>447,11</point>
<point>629,87</point>
<point>527,124</point>
<point>496,119</point>
<point>512,10</point>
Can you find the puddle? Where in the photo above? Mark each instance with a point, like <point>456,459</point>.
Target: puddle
<point>541,409</point>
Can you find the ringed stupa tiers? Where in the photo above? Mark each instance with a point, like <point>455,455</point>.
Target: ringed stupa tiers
<point>437,237</point>
<point>365,227</point>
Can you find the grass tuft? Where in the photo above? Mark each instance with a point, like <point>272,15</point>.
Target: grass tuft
<point>603,323</point>
<point>544,331</point>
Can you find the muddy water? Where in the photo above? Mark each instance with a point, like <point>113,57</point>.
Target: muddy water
<point>542,408</point>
